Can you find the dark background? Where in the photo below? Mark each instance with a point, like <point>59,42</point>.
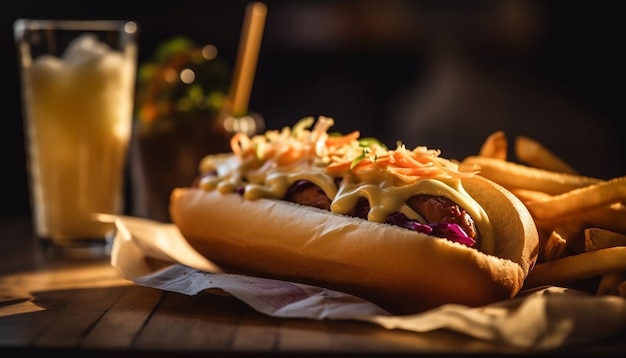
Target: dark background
<point>439,73</point>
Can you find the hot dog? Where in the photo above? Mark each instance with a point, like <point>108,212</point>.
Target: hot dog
<point>402,228</point>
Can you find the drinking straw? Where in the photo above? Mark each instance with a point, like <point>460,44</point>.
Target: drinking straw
<point>247,56</point>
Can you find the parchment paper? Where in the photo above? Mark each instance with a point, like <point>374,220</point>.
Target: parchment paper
<point>541,319</point>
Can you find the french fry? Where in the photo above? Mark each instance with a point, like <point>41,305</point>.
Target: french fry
<point>529,196</point>
<point>495,146</point>
<point>536,155</point>
<point>518,176</point>
<point>578,267</point>
<point>598,238</point>
<point>610,282</point>
<point>554,247</point>
<point>568,235</point>
<point>580,200</point>
<point>612,217</point>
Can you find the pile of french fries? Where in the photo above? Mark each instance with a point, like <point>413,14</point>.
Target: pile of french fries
<point>581,220</point>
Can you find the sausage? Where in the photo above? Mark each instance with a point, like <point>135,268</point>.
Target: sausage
<point>433,209</point>
<point>306,193</point>
<point>436,209</point>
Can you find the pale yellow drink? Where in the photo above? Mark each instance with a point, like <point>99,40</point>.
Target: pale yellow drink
<point>78,122</point>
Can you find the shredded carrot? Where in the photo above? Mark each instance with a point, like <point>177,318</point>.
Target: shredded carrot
<point>288,156</point>
<point>344,139</point>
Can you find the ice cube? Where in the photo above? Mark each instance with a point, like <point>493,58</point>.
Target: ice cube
<point>85,49</point>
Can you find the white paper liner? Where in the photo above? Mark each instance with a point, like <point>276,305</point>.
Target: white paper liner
<point>541,319</point>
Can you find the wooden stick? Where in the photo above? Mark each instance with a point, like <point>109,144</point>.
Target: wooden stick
<point>248,53</point>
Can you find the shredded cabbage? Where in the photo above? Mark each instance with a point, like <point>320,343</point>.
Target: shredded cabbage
<point>452,232</point>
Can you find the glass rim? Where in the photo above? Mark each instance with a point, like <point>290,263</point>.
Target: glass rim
<point>23,24</point>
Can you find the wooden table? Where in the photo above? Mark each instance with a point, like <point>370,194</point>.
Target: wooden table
<point>86,308</point>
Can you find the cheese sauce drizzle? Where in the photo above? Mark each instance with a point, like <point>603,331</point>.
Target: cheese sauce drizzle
<point>267,165</point>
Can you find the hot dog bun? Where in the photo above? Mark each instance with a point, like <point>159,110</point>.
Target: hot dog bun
<point>401,270</point>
